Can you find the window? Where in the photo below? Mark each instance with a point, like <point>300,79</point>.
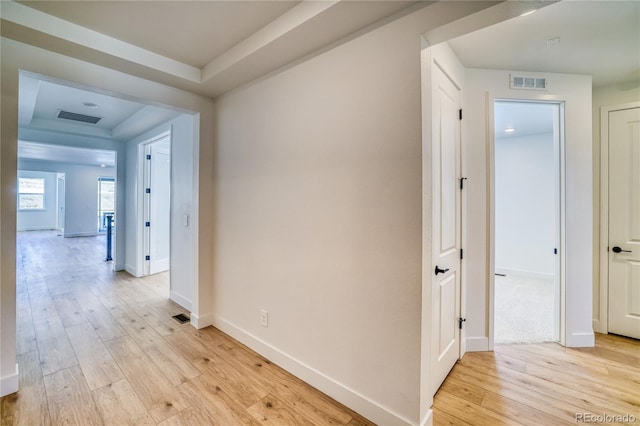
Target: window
<point>30,194</point>
<point>106,202</point>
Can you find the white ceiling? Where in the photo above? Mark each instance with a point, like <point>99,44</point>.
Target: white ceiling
<point>598,38</point>
<point>65,154</point>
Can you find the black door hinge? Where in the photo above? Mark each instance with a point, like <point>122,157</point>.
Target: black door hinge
<point>461,254</point>
<point>148,156</point>
<point>148,190</point>
<point>460,113</point>
<point>460,321</point>
<point>147,224</point>
<point>147,257</point>
<point>462,179</point>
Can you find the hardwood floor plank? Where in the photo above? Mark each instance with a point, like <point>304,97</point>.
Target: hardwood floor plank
<point>118,404</point>
<point>97,365</point>
<point>56,354</point>
<point>271,411</point>
<point>153,388</point>
<point>29,406</point>
<point>69,310</point>
<point>470,413</point>
<point>70,400</point>
<point>518,411</point>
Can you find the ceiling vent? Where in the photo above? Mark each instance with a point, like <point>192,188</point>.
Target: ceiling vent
<point>78,117</point>
<point>528,83</point>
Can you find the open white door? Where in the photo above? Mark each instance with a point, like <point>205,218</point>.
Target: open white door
<point>445,337</point>
<point>157,205</point>
<point>624,222</point>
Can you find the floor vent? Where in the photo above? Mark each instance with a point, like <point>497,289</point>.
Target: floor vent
<point>181,318</point>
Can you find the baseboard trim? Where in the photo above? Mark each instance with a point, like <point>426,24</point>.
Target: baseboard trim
<point>36,228</point>
<point>580,340</point>
<point>201,321</point>
<point>523,273</point>
<point>597,327</point>
<point>132,270</point>
<point>428,419</point>
<point>477,344</point>
<point>9,384</point>
<point>180,300</point>
<point>80,234</point>
<point>372,410</point>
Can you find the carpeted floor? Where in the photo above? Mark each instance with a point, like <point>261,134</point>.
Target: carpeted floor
<point>524,310</point>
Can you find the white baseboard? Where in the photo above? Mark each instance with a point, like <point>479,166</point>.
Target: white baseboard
<point>523,273</point>
<point>9,384</point>
<point>180,300</point>
<point>477,344</point>
<point>370,409</point>
<point>428,419</point>
<point>120,267</point>
<point>580,340</point>
<point>201,321</point>
<point>36,228</point>
<point>80,234</point>
<point>132,270</point>
<point>597,327</point>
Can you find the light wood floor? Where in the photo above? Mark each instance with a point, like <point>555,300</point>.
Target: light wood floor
<point>97,347</point>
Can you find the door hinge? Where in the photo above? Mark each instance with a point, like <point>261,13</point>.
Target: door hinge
<point>148,190</point>
<point>148,156</point>
<point>460,321</point>
<point>147,224</point>
<point>460,114</point>
<point>147,257</point>
<point>462,179</point>
<point>461,254</point>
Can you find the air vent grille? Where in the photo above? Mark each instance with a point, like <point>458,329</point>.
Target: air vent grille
<point>528,83</point>
<point>78,117</point>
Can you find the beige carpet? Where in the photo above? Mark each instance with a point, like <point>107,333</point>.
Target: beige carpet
<point>524,310</point>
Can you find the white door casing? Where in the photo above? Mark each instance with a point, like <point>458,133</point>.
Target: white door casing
<point>445,337</point>
<point>624,222</point>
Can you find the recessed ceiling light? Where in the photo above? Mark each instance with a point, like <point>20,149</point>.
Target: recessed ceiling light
<point>509,130</point>
<point>103,165</point>
<point>90,105</point>
<point>528,12</point>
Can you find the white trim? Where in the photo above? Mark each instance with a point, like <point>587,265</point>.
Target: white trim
<point>180,300</point>
<point>428,419</point>
<point>370,409</point>
<point>601,324</point>
<point>523,273</point>
<point>9,384</point>
<point>131,270</point>
<point>477,344</point>
<point>580,340</point>
<point>203,321</point>
<point>81,234</point>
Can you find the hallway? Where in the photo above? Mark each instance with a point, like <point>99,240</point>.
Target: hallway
<point>98,347</point>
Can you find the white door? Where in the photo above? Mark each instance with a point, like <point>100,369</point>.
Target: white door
<point>624,222</point>
<point>446,227</point>
<point>157,208</point>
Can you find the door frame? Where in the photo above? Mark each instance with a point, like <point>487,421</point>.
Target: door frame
<point>559,216</point>
<point>491,225</point>
<point>142,266</point>
<point>601,325</point>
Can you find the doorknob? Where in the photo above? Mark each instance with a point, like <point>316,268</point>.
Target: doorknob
<point>440,271</point>
<point>617,249</point>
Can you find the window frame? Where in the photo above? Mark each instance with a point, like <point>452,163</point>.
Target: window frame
<point>41,194</point>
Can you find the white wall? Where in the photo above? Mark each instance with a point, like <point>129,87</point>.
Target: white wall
<point>318,218</point>
<point>183,130</point>
<point>525,205</point>
<point>17,56</point>
<point>32,220</point>
<point>602,97</point>
<point>482,87</point>
<point>81,193</point>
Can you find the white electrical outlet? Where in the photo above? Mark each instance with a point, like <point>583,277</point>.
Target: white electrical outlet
<point>264,318</point>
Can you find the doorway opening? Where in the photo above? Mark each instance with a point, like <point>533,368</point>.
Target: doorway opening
<point>527,203</point>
